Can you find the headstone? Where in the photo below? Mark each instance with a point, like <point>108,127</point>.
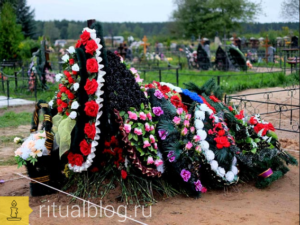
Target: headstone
<point>217,41</point>
<point>202,58</point>
<point>222,61</point>
<point>237,58</point>
<point>295,42</point>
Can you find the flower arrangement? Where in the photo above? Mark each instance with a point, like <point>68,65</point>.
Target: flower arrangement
<point>31,148</point>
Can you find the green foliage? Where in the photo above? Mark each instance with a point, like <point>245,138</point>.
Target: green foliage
<point>198,17</point>
<point>51,31</point>
<point>12,119</point>
<point>27,47</point>
<point>11,34</point>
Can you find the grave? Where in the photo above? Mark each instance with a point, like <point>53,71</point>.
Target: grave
<point>237,58</point>
<point>222,61</point>
<point>203,60</point>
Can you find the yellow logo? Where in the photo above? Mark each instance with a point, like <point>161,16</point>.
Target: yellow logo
<point>14,210</point>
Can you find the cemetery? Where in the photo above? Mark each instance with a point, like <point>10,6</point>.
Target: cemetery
<point>189,130</point>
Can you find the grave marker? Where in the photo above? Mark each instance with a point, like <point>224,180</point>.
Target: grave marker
<point>145,44</point>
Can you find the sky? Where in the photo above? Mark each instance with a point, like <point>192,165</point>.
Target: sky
<point>126,10</point>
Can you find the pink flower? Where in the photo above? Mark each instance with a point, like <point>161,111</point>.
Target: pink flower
<point>198,148</point>
<point>158,162</point>
<point>152,139</point>
<point>179,111</point>
<point>147,127</point>
<point>152,127</point>
<point>210,131</point>
<point>149,116</point>
<point>184,131</point>
<point>143,116</point>
<point>150,160</point>
<point>133,70</point>
<point>189,145</point>
<point>132,115</point>
<point>185,174</point>
<point>176,120</point>
<point>146,144</point>
<point>192,129</point>
<point>198,185</point>
<point>204,190</point>
<point>157,111</point>
<point>158,94</point>
<point>188,116</point>
<point>186,123</point>
<point>155,145</point>
<point>127,128</point>
<point>138,131</point>
<point>196,138</point>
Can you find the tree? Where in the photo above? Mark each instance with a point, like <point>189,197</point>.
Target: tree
<point>74,30</point>
<point>25,16</point>
<point>290,10</point>
<point>51,31</point>
<point>205,17</point>
<point>11,32</point>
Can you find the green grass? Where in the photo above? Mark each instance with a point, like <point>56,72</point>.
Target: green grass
<point>231,82</point>
<point>12,119</point>
<point>8,161</point>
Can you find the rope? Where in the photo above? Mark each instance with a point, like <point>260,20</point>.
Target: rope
<point>81,199</point>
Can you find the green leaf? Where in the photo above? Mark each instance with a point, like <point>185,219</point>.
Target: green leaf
<point>254,150</point>
<point>135,137</point>
<point>132,109</point>
<point>122,113</point>
<point>130,136</point>
<point>142,106</point>
<point>257,140</point>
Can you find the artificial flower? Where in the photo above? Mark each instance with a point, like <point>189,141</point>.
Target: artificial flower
<point>152,139</point>
<point>179,111</point>
<point>196,138</point>
<point>85,36</point>
<point>78,159</point>
<point>172,159</point>
<point>200,115</point>
<point>74,105</point>
<point>162,134</point>
<point>150,160</point>
<point>75,67</point>
<point>204,190</point>
<point>210,155</point>
<point>229,176</point>
<point>198,148</point>
<point>143,116</point>
<point>17,140</point>
<point>222,141</point>
<point>221,171</point>
<point>230,108</point>
<point>91,47</point>
<point>91,86</point>
<point>146,144</point>
<point>92,65</point>
<point>240,115</point>
<point>71,159</point>
<point>186,123</point>
<point>71,50</point>
<point>71,61</point>
<point>192,129</point>
<point>188,116</point>
<point>51,104</point>
<point>253,120</point>
<point>132,115</point>
<point>91,108</point>
<point>123,174</point>
<point>138,131</point>
<point>85,147</point>
<point>149,116</point>
<point>198,185</point>
<point>147,127</point>
<point>127,128</point>
<point>58,77</point>
<point>175,100</point>
<point>75,86</point>
<point>65,58</point>
<point>90,130</point>
<point>221,132</point>
<point>177,120</point>
<point>165,89</point>
<point>78,44</point>
<point>158,94</point>
<point>199,124</point>
<point>157,111</point>
<point>188,146</point>
<point>155,145</point>
<point>184,131</point>
<point>73,115</point>
<point>185,174</point>
<point>214,165</point>
<point>152,128</point>
<point>158,162</point>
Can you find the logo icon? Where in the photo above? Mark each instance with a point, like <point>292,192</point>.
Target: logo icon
<point>14,212</point>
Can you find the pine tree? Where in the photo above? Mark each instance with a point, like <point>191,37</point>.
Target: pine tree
<point>11,33</point>
<point>25,17</point>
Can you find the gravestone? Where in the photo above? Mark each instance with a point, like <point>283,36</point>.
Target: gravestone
<point>295,42</point>
<point>237,58</point>
<point>222,61</point>
<point>203,60</point>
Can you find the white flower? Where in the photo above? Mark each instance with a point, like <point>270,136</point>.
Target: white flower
<point>58,77</point>
<point>221,171</point>
<point>25,153</point>
<point>229,176</point>
<point>75,86</point>
<point>91,31</point>
<point>73,115</point>
<point>51,103</point>
<point>199,124</point>
<point>204,145</point>
<point>200,115</point>
<point>17,140</point>
<point>65,58</point>
<point>202,134</point>
<point>214,165</point>
<point>234,161</point>
<point>210,155</point>
<point>71,49</point>
<point>75,105</point>
<point>75,67</point>
<point>40,144</point>
<point>235,170</point>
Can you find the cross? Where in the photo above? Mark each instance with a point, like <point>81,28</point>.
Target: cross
<point>145,44</point>
<point>266,45</point>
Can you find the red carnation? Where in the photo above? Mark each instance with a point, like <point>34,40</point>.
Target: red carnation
<point>91,108</point>
<point>91,47</point>
<point>240,116</point>
<point>59,109</point>
<point>90,130</point>
<point>123,174</point>
<point>64,105</point>
<point>85,147</point>
<point>157,83</point>
<point>78,159</point>
<point>91,86</point>
<point>222,142</point>
<point>114,140</point>
<point>67,73</point>
<point>175,100</point>
<point>63,89</point>
<point>71,80</point>
<point>67,113</point>
<point>58,95</point>
<point>253,120</point>
<point>149,86</point>
<point>230,108</point>
<point>71,96</point>
<point>78,44</point>
<point>221,132</point>
<point>92,65</point>
<point>71,61</point>
<point>71,158</point>
<point>85,36</point>
<point>74,72</point>
<point>58,101</point>
<point>164,89</point>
